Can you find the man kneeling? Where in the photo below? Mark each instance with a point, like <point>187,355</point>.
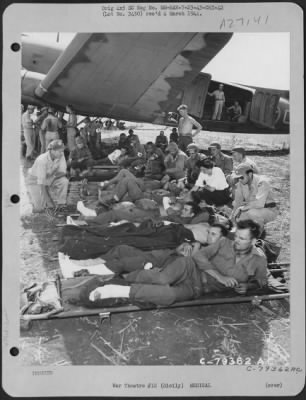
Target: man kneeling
<point>46,181</point>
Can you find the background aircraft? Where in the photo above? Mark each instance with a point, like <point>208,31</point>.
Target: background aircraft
<point>143,77</point>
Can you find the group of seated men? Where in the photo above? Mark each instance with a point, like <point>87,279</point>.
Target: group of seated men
<point>192,189</point>
<point>194,178</point>
<point>210,180</point>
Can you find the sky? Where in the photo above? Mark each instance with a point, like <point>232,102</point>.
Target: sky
<point>256,59</point>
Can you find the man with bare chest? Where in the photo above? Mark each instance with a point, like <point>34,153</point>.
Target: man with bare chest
<point>185,126</point>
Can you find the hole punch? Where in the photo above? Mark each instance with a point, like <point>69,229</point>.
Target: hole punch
<point>15,198</point>
<point>15,47</point>
<point>14,351</point>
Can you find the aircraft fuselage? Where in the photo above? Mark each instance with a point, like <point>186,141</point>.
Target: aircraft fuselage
<point>39,57</point>
<point>263,109</point>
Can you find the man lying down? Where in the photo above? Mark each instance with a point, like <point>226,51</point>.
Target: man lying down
<point>144,229</point>
<point>92,241</point>
<point>188,213</point>
<point>167,276</point>
<point>125,258</point>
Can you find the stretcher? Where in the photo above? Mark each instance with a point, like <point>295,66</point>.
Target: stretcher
<point>61,308</point>
<point>100,173</point>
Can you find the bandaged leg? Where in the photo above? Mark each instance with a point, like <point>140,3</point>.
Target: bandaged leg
<point>110,291</point>
<point>166,202</point>
<point>86,212</point>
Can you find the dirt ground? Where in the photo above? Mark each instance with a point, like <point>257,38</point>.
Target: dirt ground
<point>179,336</point>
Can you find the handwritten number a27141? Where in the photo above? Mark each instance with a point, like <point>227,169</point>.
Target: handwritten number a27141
<point>230,23</point>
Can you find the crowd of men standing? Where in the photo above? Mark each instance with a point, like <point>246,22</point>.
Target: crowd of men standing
<point>39,128</point>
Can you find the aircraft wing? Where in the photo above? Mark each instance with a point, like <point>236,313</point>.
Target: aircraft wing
<point>133,76</point>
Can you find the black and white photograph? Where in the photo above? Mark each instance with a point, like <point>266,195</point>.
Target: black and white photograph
<point>154,201</point>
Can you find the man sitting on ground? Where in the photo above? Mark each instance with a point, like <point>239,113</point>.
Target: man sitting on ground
<point>154,168</point>
<point>127,186</point>
<point>174,137</point>
<point>253,197</point>
<point>220,159</point>
<point>191,164</point>
<point>211,185</point>
<point>122,141</point>
<point>80,158</point>
<point>239,157</point>
<point>175,164</point>
<point>161,141</point>
<point>46,182</point>
<point>131,135</point>
<point>137,154</point>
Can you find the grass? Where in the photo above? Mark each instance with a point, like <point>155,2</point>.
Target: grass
<point>278,231</point>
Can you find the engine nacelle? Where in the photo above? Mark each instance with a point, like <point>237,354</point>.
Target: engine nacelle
<point>29,82</point>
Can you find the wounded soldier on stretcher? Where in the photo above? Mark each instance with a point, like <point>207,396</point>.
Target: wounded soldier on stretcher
<point>92,241</point>
<point>142,209</point>
<point>163,277</point>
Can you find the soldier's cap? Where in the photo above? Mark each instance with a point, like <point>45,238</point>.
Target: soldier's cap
<point>215,144</point>
<point>240,150</point>
<point>79,139</point>
<point>56,144</point>
<point>242,169</point>
<point>182,107</point>
<point>192,146</point>
<point>172,146</point>
<point>51,110</point>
